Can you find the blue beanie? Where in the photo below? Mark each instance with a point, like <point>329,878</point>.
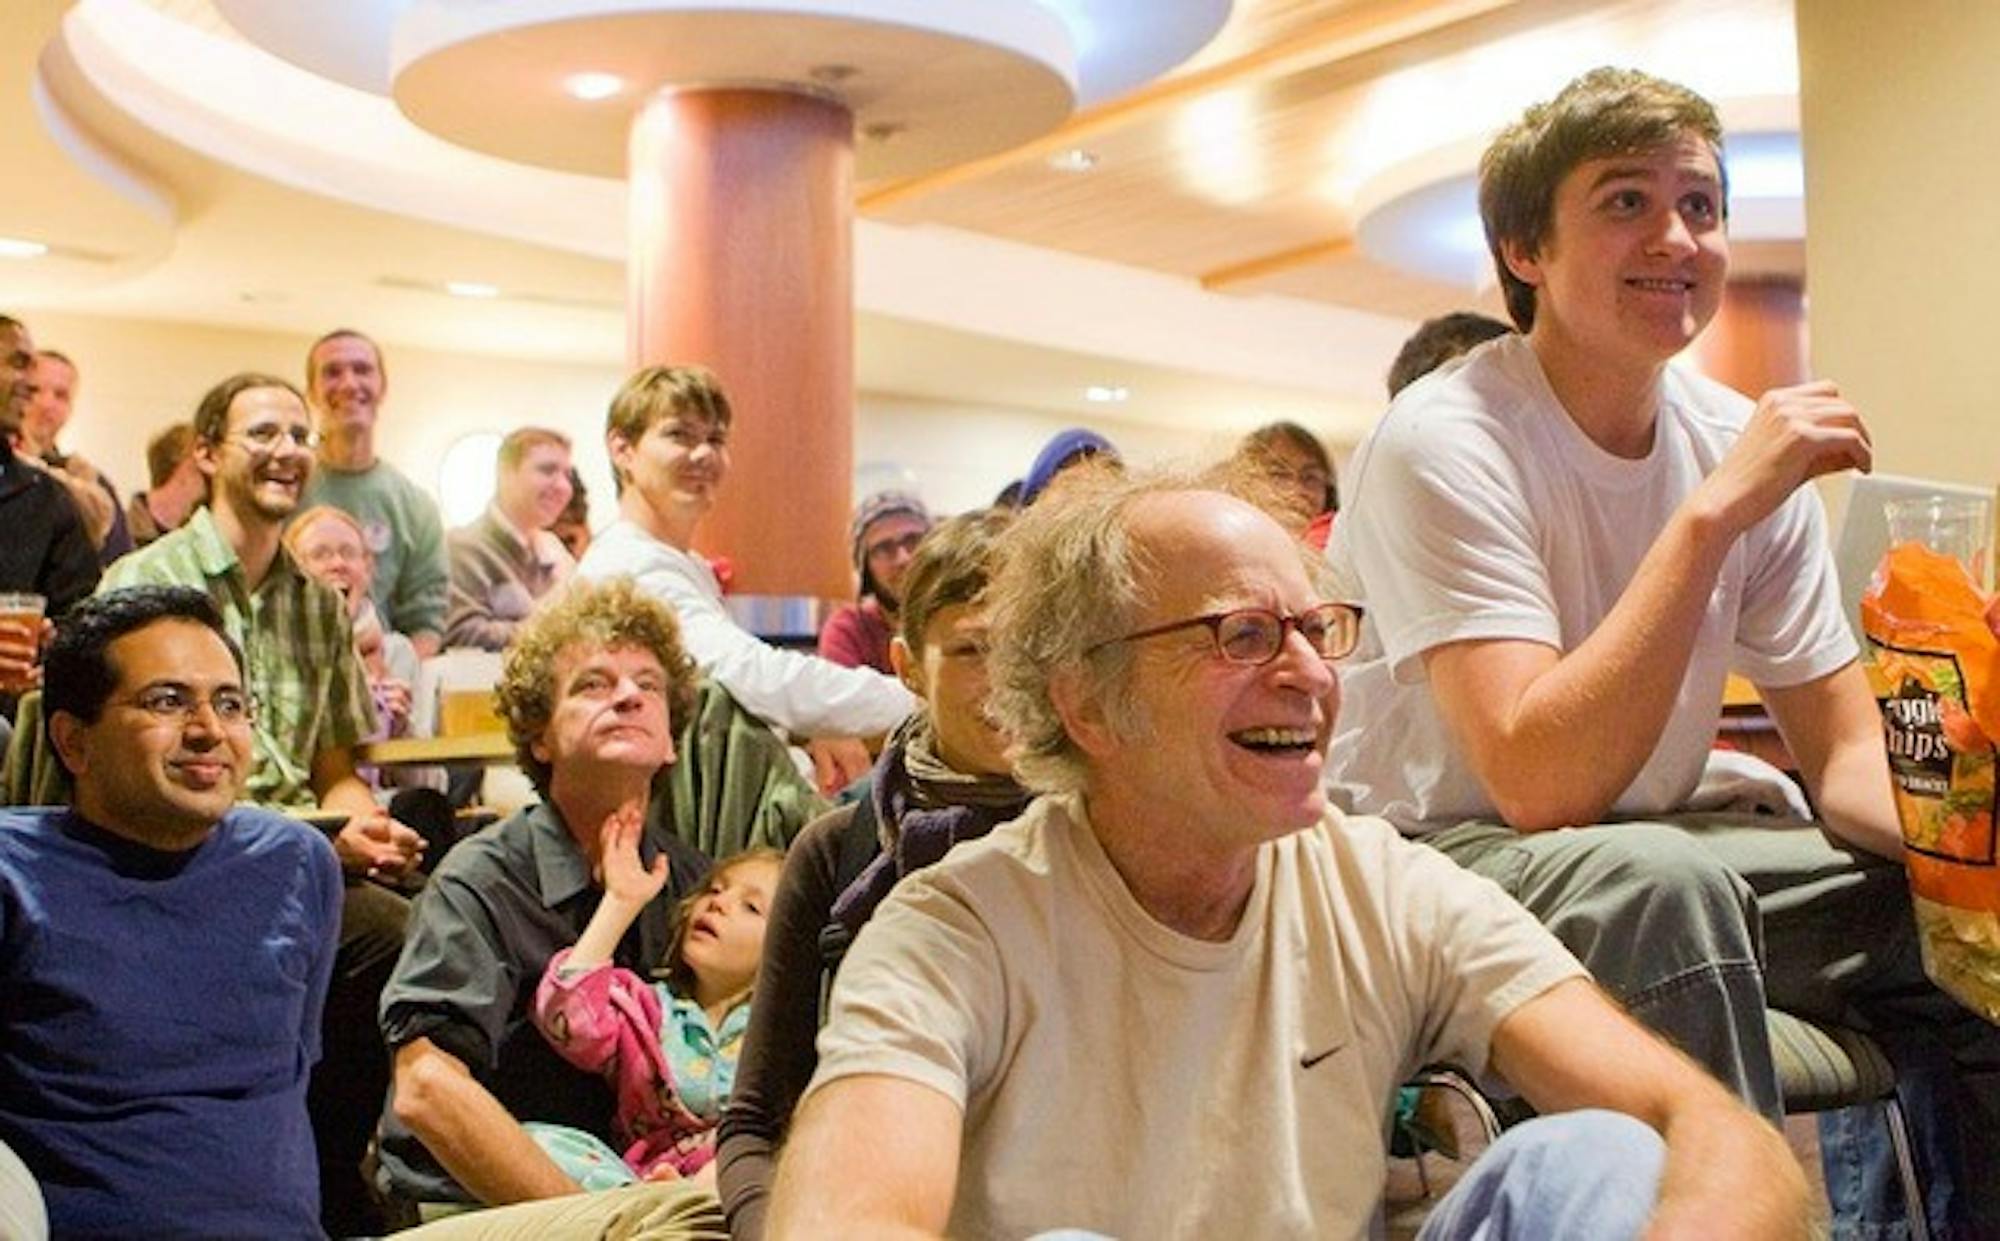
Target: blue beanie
<point>1065,449</point>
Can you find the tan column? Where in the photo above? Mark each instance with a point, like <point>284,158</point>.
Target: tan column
<point>741,259</point>
<point>1758,339</point>
<point>1896,108</point>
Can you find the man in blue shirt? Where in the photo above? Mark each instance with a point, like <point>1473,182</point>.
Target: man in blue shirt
<point>164,953</point>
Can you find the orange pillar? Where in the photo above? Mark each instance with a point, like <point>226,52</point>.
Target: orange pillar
<point>741,259</point>
<point>1758,339</point>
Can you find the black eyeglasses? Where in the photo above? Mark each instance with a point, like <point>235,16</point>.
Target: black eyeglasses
<point>907,543</point>
<point>1255,635</point>
<point>181,704</point>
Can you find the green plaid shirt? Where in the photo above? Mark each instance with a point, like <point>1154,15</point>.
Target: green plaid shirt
<point>298,648</point>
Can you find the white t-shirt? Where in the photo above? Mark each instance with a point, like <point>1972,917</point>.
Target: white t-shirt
<point>1121,1077</point>
<point>800,693</point>
<point>1478,509</point>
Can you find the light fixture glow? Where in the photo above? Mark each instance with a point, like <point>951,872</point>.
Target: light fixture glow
<point>1106,395</point>
<point>1216,159</point>
<point>21,248</point>
<point>471,288</point>
<point>591,87</point>
<point>1076,159</point>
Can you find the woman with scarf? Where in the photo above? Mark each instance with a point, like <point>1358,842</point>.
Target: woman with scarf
<point>943,779</point>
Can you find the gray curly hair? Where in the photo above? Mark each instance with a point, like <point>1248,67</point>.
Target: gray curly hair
<point>1071,578</point>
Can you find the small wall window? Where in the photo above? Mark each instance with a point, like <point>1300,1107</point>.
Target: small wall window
<point>465,477</point>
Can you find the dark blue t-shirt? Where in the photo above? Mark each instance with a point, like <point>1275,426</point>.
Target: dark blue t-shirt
<point>159,1015</point>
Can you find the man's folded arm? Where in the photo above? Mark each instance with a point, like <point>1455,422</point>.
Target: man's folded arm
<point>468,1131</point>
<point>1570,1047</point>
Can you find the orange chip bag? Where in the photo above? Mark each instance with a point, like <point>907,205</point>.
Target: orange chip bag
<point>1934,666</point>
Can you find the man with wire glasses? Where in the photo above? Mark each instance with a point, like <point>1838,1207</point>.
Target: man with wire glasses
<point>1173,998</point>
<point>164,952</point>
<point>254,442</point>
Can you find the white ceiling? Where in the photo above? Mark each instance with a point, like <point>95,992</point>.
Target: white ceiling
<point>182,173</point>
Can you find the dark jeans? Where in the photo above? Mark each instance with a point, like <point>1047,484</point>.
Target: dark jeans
<point>352,1078</point>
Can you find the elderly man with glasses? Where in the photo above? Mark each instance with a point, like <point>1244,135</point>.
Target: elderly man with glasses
<point>1173,998</point>
<point>254,441</point>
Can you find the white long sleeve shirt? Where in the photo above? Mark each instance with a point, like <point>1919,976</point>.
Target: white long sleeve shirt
<point>800,693</point>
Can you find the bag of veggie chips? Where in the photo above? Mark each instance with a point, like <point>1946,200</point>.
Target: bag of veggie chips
<point>1934,666</point>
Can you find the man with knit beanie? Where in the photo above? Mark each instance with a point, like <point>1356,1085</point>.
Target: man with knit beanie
<point>887,528</point>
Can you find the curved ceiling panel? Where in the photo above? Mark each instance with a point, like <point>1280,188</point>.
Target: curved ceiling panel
<point>930,84</point>
<point>101,215</point>
<point>346,42</point>
<point>247,109</point>
<point>1119,44</point>
<point>1123,44</point>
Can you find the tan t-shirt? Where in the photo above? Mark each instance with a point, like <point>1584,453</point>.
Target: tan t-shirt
<point>1120,1077</point>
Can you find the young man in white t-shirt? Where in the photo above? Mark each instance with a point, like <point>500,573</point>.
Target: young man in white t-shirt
<point>1174,997</point>
<point>1565,545</point>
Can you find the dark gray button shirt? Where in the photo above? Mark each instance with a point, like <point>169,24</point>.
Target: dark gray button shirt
<point>499,906</point>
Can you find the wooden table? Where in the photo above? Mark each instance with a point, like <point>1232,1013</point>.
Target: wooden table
<point>492,749</point>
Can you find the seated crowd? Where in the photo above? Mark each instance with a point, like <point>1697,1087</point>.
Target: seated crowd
<point>1143,832</point>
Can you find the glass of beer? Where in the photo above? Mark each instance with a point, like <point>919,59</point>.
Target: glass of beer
<point>20,624</point>
<point>23,609</point>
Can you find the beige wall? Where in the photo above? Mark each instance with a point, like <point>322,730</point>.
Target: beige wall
<point>962,455</point>
<point>1899,105</point>
<point>139,375</point>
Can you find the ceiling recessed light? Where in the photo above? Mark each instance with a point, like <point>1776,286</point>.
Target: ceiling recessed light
<point>1104,395</point>
<point>593,86</point>
<point>1076,159</point>
<point>21,248</point>
<point>471,288</point>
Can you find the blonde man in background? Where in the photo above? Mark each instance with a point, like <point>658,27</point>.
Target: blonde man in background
<point>507,559</point>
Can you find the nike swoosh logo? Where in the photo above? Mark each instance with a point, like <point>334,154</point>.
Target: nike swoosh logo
<point>1311,1059</point>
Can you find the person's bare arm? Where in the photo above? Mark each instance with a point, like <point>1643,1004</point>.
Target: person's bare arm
<point>370,843</point>
<point>629,887</point>
<point>1728,1171</point>
<point>468,1130</point>
<point>1834,731</point>
<point>336,784</point>
<point>868,1157</point>
<point>1555,737</point>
